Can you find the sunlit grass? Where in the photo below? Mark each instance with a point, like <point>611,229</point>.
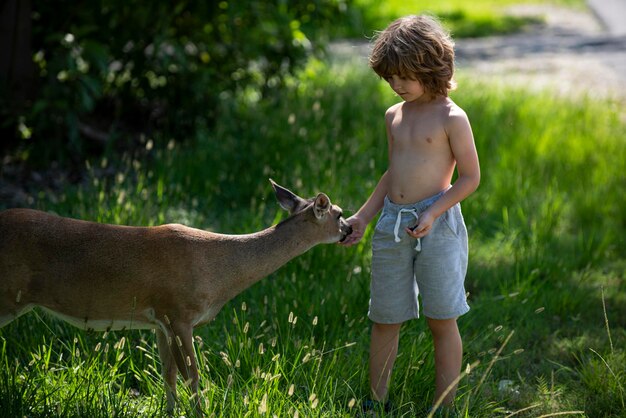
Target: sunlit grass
<point>547,247</point>
<point>462,18</point>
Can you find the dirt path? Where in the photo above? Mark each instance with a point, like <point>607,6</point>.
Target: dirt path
<point>571,53</point>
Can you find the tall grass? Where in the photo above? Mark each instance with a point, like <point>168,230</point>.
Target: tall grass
<point>546,231</point>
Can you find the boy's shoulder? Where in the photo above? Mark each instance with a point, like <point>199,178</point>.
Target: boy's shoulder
<point>394,108</point>
<point>440,105</point>
<point>455,116</point>
<point>456,119</point>
<point>446,104</point>
<point>455,109</point>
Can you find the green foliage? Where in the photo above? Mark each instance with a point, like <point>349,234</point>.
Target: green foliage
<point>465,25</point>
<point>110,71</point>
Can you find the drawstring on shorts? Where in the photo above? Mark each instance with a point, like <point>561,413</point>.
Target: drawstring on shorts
<point>396,229</point>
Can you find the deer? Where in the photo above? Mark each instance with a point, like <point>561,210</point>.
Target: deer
<point>170,278</point>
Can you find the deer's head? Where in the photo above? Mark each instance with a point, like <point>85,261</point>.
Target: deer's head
<point>317,210</point>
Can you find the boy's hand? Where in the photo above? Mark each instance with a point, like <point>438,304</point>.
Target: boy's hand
<point>423,227</point>
<point>358,229</point>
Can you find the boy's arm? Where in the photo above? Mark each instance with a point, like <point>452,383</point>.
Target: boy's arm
<point>375,202</point>
<point>366,213</point>
<point>467,166</point>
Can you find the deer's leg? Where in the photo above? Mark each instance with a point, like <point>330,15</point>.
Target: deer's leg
<point>169,369</point>
<point>184,355</point>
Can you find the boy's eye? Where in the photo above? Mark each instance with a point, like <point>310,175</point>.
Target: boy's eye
<point>389,79</point>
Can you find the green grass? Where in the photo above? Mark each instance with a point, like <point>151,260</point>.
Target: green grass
<point>463,18</point>
<point>546,261</point>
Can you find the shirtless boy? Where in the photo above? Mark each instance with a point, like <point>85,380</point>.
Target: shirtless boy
<point>420,240</point>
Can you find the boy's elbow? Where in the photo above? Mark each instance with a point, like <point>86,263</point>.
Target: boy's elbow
<point>473,182</point>
<point>476,180</point>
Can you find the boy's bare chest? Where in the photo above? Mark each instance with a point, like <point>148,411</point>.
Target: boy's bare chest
<point>423,133</point>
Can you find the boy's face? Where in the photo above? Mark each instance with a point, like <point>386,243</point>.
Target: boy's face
<point>410,90</point>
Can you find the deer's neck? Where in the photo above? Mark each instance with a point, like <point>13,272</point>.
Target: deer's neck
<point>262,253</point>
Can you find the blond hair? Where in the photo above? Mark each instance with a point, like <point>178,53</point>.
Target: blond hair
<point>416,47</point>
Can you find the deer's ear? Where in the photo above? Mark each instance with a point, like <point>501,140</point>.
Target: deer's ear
<point>287,199</point>
<point>321,205</point>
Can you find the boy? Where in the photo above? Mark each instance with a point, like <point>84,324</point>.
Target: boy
<point>420,240</point>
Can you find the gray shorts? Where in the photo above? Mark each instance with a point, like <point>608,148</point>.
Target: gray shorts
<point>403,267</point>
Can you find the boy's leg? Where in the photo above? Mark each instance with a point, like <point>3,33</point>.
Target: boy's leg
<point>383,352</point>
<point>448,357</point>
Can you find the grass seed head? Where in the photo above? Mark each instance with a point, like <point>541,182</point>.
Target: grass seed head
<point>263,405</point>
<point>226,359</point>
<point>121,343</point>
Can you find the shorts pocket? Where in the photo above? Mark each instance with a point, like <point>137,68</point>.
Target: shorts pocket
<point>382,216</point>
<point>383,233</point>
<point>452,219</point>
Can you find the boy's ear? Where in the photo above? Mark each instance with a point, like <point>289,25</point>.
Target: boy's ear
<point>287,199</point>
<point>321,206</point>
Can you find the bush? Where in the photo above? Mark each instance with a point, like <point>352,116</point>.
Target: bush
<point>110,71</point>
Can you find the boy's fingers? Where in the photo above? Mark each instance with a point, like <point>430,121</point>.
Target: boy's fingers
<point>418,231</point>
<point>348,243</point>
<point>349,240</point>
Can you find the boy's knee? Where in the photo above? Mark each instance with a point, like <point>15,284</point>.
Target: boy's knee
<point>386,328</point>
<point>438,326</point>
